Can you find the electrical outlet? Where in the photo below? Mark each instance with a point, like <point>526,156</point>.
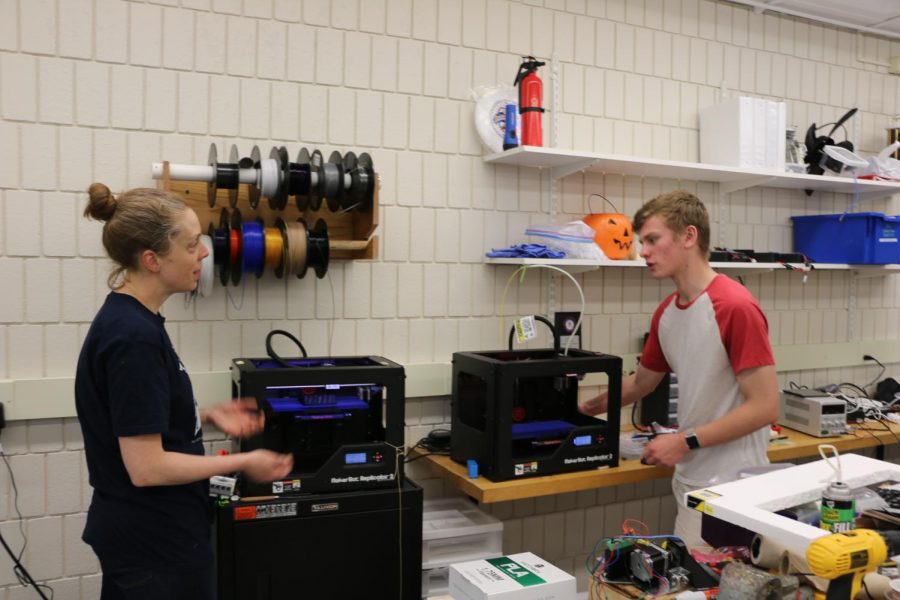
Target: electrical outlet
<point>564,323</point>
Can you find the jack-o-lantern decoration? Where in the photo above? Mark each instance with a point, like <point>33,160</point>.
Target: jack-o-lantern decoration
<point>614,234</point>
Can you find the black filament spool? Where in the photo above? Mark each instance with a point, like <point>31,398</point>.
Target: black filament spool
<point>219,243</point>
<point>253,189</point>
<point>350,163</point>
<point>315,191</point>
<point>302,197</point>
<point>232,190</point>
<point>334,180</point>
<point>305,267</point>
<point>364,192</point>
<point>298,180</point>
<point>239,259</point>
<point>317,252</point>
<point>225,175</point>
<point>279,201</point>
<point>225,264</point>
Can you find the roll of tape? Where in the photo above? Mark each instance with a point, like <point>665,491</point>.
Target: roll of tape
<point>769,554</point>
<point>207,268</point>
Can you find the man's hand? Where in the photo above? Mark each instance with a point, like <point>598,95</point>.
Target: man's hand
<point>238,418</point>
<point>665,450</point>
<point>595,406</point>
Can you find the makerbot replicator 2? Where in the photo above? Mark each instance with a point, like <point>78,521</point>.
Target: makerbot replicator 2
<point>516,412</point>
<point>341,418</point>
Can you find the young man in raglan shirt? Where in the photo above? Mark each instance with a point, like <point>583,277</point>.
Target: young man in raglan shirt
<point>712,333</point>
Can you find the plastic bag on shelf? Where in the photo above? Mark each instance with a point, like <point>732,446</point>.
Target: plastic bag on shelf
<point>575,238</point>
<point>883,165</point>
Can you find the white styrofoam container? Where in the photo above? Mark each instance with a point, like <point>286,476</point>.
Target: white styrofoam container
<point>744,132</point>
<point>453,530</point>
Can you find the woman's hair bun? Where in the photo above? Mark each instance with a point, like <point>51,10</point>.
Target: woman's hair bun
<point>102,204</point>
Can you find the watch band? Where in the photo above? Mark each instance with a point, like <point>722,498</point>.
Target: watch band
<point>690,437</point>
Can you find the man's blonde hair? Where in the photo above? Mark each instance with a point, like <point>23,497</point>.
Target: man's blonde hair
<point>678,210</point>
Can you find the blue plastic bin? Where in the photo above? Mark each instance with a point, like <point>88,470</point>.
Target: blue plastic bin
<point>867,238</point>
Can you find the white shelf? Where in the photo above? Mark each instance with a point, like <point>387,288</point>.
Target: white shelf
<point>564,162</point>
<point>575,265</point>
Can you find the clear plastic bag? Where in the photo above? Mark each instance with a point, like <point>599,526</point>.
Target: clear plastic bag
<point>883,165</point>
<point>575,238</point>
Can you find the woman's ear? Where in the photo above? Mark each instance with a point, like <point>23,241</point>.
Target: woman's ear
<point>150,261</point>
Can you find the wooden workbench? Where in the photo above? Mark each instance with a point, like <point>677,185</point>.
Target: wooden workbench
<point>796,445</point>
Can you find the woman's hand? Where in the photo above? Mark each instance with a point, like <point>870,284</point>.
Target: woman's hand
<point>239,418</point>
<point>264,466</point>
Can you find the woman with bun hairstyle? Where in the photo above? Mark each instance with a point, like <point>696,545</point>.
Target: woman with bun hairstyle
<point>148,521</point>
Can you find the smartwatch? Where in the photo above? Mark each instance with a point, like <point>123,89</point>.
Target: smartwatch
<point>691,438</point>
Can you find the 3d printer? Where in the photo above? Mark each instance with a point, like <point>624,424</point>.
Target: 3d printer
<point>516,412</point>
<point>341,418</point>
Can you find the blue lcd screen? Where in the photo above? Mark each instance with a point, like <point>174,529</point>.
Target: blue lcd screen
<point>355,458</point>
<point>582,440</point>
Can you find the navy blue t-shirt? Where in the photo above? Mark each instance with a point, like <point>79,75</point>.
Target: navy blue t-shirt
<point>131,382</point>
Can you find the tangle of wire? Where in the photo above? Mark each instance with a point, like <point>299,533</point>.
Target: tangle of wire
<point>19,569</point>
<point>523,270</point>
<point>427,444</point>
<point>599,561</point>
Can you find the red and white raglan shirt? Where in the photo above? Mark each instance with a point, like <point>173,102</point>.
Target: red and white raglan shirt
<point>707,343</point>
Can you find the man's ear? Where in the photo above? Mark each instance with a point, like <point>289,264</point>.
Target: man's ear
<point>691,236</point>
<point>150,261</point>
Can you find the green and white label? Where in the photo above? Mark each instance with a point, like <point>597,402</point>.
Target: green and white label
<point>516,572</point>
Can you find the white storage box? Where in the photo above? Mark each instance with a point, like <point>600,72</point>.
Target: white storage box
<point>435,582</point>
<point>744,132</point>
<point>516,577</point>
<point>453,530</point>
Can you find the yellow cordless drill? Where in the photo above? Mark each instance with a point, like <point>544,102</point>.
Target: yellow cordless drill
<point>844,558</point>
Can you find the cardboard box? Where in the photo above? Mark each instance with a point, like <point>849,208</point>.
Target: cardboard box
<point>516,577</point>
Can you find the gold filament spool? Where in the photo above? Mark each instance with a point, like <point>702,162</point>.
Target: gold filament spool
<point>274,246</point>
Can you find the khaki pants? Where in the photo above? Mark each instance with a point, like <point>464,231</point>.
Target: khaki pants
<point>687,520</point>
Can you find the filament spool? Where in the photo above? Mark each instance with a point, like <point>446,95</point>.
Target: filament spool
<point>318,252</point>
<point>221,246</point>
<point>302,198</point>
<point>274,242</point>
<point>315,173</point>
<point>333,170</point>
<point>350,167</point>
<point>254,189</point>
<point>296,246</point>
<point>279,200</point>
<point>237,258</point>
<point>226,176</point>
<point>363,186</point>
<point>298,183</point>
<point>253,259</point>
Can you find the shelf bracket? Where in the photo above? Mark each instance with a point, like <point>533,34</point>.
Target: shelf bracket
<point>573,167</point>
<point>727,187</point>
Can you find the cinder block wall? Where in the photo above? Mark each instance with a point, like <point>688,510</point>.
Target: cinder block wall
<point>96,90</point>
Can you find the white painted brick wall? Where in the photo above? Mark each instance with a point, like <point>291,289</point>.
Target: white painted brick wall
<point>42,295</point>
<point>97,90</point>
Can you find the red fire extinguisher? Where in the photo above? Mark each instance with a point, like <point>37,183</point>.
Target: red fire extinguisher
<point>531,94</point>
